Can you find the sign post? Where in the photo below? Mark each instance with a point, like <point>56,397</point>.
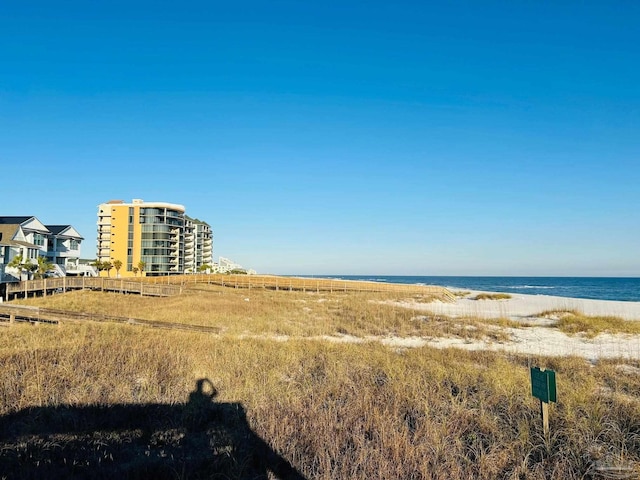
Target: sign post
<point>543,387</point>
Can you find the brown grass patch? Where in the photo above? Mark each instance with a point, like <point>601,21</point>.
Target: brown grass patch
<point>354,411</point>
<point>492,296</point>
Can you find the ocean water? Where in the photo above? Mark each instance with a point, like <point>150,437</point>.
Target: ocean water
<point>599,288</point>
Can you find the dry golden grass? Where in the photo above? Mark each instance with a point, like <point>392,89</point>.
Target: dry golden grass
<point>317,285</point>
<point>573,322</point>
<point>268,312</point>
<point>492,296</point>
<point>335,411</point>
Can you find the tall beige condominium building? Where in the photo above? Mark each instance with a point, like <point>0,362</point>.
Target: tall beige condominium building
<point>198,245</point>
<point>149,232</point>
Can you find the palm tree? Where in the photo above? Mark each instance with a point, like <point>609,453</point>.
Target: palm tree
<point>30,268</point>
<point>117,264</point>
<point>42,267</point>
<point>99,265</point>
<point>21,264</point>
<point>135,271</point>
<point>141,266</point>
<point>107,265</point>
<point>18,262</point>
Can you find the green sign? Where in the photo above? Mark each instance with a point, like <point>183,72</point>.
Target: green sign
<point>543,384</point>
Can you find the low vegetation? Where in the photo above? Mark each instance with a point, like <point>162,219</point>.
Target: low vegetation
<point>332,410</point>
<point>243,312</point>
<point>461,293</point>
<point>572,322</point>
<point>492,296</point>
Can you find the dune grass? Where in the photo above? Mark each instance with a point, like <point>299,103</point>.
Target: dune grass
<point>573,322</point>
<point>334,410</point>
<point>492,296</point>
<point>265,312</point>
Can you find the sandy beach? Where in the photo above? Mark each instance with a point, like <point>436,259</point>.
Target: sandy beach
<point>538,335</point>
<point>521,306</point>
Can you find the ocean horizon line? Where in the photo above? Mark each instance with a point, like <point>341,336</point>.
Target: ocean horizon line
<point>596,288</point>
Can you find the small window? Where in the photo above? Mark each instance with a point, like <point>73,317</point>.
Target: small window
<point>38,239</point>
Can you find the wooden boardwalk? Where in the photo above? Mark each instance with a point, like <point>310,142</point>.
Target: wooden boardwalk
<point>175,284</point>
<point>49,286</point>
<point>10,314</point>
<point>303,284</point>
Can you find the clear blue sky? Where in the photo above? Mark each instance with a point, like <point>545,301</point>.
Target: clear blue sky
<point>424,138</point>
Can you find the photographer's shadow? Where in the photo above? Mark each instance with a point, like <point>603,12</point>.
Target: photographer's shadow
<point>198,439</point>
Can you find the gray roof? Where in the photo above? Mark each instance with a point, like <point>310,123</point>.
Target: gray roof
<point>14,220</point>
<point>56,229</point>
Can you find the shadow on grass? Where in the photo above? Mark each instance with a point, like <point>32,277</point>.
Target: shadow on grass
<point>198,439</point>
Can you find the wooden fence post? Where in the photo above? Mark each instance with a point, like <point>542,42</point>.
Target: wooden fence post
<point>544,412</point>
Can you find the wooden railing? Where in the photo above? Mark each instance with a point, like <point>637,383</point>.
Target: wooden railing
<point>301,284</point>
<point>10,314</point>
<point>173,285</point>
<point>51,285</point>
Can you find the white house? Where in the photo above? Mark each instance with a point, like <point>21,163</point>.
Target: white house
<point>64,249</point>
<point>30,238</point>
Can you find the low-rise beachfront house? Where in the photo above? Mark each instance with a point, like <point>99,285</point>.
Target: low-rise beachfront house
<point>29,238</point>
<point>21,236</point>
<point>64,250</point>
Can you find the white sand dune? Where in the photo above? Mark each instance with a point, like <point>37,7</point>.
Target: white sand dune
<point>546,341</point>
<point>521,306</point>
<point>541,339</point>
<point>537,336</point>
